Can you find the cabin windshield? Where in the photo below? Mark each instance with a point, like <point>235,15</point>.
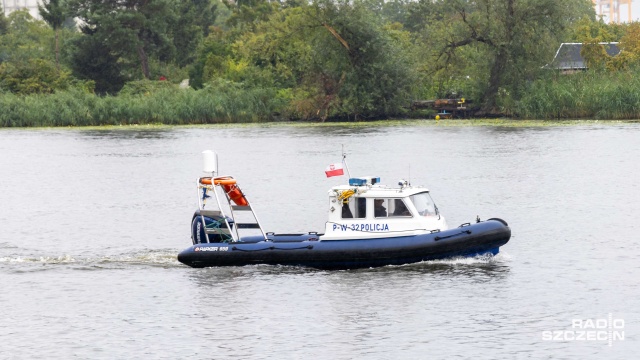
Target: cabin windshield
<point>424,204</point>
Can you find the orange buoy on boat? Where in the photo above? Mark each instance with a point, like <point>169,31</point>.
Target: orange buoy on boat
<point>230,188</point>
<point>217,181</point>
<point>224,181</point>
<point>235,194</point>
<point>205,181</point>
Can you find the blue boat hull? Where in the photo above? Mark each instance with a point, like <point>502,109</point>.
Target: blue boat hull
<point>307,250</point>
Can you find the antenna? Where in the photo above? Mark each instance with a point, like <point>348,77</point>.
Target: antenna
<point>344,161</point>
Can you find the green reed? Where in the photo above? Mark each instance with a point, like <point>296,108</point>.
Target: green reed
<point>587,95</point>
<point>165,106</point>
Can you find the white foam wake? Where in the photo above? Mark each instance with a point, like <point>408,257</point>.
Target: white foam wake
<point>154,257</point>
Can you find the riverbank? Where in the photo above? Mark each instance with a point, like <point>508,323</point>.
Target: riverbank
<point>508,123</point>
<point>565,98</point>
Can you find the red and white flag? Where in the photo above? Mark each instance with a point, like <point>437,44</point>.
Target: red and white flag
<point>334,170</point>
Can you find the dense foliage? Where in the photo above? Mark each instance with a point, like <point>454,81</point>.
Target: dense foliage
<point>261,60</point>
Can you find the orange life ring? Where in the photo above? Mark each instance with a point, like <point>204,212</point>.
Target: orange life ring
<point>217,181</point>
<point>230,188</point>
<point>224,181</point>
<point>235,194</point>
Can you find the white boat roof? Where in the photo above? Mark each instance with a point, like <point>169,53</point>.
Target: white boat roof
<point>377,190</point>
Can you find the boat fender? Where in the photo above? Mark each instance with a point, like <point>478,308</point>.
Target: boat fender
<point>500,220</point>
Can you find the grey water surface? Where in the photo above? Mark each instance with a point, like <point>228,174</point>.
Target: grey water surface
<point>91,222</point>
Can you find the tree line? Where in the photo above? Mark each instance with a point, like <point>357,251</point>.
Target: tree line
<point>259,60</point>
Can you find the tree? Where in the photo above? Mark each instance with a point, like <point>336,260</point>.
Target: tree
<point>629,56</point>
<point>587,29</point>
<point>333,59</point>
<point>213,52</point>
<point>132,30</point>
<point>35,76</point>
<point>193,22</point>
<point>54,13</point>
<point>367,60</point>
<point>593,33</point>
<point>4,24</point>
<point>25,38</point>
<point>203,13</point>
<point>27,62</point>
<point>92,59</point>
<point>248,13</point>
<point>516,37</point>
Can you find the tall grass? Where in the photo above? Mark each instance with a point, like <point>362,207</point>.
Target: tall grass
<point>166,106</point>
<point>587,95</point>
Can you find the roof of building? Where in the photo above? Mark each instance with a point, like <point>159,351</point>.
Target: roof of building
<point>568,55</point>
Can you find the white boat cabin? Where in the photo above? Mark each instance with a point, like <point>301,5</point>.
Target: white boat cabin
<point>365,209</point>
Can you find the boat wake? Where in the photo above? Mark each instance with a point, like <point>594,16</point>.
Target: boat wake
<point>479,265</point>
<point>500,258</point>
<point>166,258</point>
<point>156,258</point>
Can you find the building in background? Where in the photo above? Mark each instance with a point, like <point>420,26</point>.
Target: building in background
<point>617,11</point>
<point>569,60</point>
<point>9,6</point>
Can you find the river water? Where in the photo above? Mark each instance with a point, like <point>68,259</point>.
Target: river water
<point>91,222</point>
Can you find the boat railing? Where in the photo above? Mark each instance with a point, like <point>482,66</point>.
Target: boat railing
<point>236,201</point>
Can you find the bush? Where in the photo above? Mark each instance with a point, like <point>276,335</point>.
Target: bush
<point>35,76</point>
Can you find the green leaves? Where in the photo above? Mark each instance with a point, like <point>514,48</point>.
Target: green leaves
<point>54,12</point>
<point>132,31</point>
<point>341,56</point>
<point>355,59</point>
<point>36,76</point>
<point>26,38</point>
<point>515,37</point>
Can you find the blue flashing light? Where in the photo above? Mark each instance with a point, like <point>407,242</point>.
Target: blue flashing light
<point>357,182</point>
<point>364,181</point>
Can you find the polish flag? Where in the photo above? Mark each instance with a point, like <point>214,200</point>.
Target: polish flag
<point>334,170</point>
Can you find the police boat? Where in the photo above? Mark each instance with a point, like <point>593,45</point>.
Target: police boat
<point>369,225</point>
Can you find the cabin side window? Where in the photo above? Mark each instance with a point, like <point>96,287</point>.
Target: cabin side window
<point>380,208</point>
<point>397,207</point>
<point>393,207</point>
<point>354,208</point>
